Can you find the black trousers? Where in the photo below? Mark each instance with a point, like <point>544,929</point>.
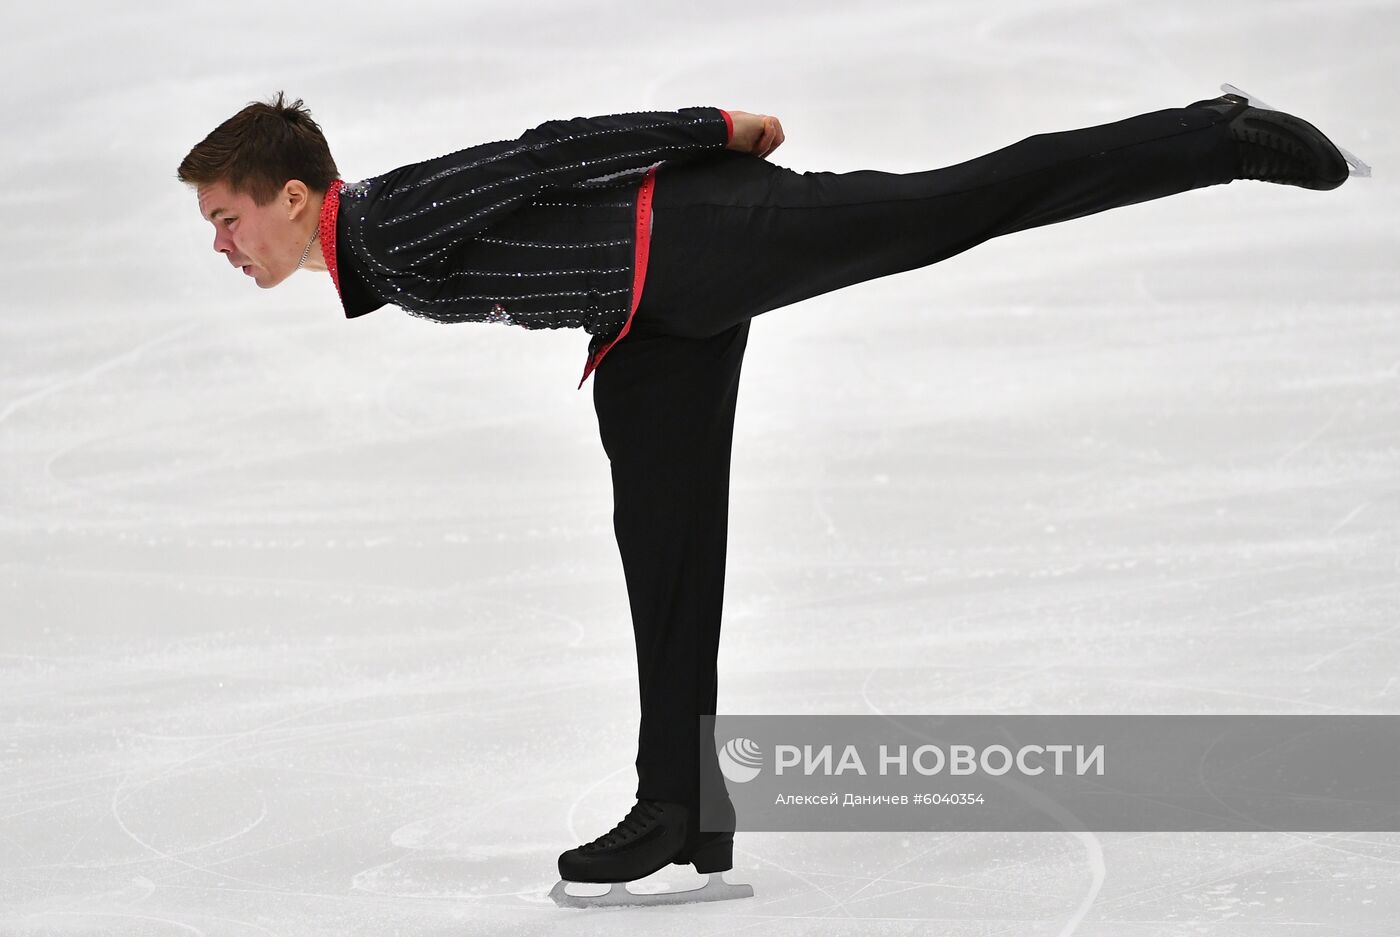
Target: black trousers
<point>735,236</point>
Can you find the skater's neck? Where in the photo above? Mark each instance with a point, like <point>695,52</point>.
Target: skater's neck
<point>315,256</point>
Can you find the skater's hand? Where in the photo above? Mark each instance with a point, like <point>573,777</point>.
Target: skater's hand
<point>759,134</point>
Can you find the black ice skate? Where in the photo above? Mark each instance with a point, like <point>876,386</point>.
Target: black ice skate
<point>1276,147</point>
<point>654,834</point>
<point>712,849</point>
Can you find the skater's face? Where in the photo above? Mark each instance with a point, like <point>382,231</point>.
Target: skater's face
<point>263,241</point>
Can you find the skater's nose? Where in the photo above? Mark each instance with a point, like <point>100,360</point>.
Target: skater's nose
<point>222,243</point>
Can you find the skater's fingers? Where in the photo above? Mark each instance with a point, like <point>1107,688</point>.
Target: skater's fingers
<point>772,136</point>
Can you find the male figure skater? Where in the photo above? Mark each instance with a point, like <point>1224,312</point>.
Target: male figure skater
<point>555,230</point>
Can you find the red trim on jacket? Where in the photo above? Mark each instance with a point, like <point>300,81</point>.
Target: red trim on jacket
<point>330,211</point>
<point>643,242</point>
<point>639,268</point>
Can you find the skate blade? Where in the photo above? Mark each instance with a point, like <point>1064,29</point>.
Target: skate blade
<point>619,896</point>
<point>1355,166</point>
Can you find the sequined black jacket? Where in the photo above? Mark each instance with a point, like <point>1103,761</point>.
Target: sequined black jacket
<point>547,231</point>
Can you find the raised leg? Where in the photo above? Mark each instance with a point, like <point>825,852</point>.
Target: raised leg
<point>735,236</point>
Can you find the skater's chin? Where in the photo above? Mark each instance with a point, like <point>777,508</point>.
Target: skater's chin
<point>261,277</point>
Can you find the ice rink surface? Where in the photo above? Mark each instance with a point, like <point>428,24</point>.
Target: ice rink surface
<point>317,627</point>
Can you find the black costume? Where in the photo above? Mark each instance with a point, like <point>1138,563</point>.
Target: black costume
<point>733,236</point>
<point>549,231</point>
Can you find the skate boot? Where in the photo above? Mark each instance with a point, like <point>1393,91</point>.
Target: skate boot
<point>1272,146</point>
<point>652,835</point>
<point>710,850</point>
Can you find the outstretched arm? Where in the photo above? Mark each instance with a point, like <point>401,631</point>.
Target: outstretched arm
<point>419,212</point>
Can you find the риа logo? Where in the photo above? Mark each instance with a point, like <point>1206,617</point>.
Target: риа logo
<point>740,760</point>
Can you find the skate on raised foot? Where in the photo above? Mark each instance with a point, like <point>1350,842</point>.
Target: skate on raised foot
<point>1355,166</point>
<point>654,834</point>
<point>1273,146</point>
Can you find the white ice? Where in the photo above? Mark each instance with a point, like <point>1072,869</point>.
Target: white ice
<point>316,627</point>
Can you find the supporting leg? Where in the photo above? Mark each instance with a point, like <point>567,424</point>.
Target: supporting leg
<point>665,409</point>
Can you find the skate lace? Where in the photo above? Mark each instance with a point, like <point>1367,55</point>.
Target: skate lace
<point>1270,157</point>
<point>642,814</point>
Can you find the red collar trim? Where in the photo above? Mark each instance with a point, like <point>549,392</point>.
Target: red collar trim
<point>330,210</point>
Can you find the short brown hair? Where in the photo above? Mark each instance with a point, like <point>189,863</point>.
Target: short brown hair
<point>258,149</point>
